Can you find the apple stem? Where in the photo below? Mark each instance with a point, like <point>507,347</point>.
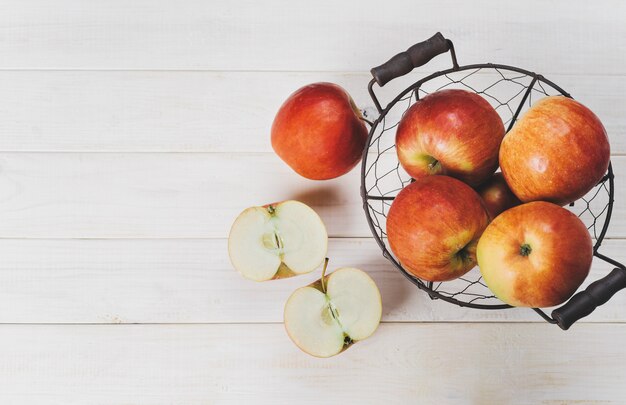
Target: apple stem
<point>324,275</point>
<point>370,123</point>
<point>464,255</point>
<point>271,209</point>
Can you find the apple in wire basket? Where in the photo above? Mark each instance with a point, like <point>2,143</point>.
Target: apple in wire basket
<point>328,316</point>
<point>277,241</point>
<point>557,151</point>
<point>451,132</point>
<point>319,132</point>
<point>535,255</point>
<point>496,195</point>
<point>433,226</point>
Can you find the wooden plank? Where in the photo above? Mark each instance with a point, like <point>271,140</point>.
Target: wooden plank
<point>235,364</point>
<point>127,111</point>
<point>322,35</point>
<point>173,195</point>
<point>192,281</point>
<point>157,195</point>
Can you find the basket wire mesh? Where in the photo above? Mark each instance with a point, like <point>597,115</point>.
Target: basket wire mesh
<point>511,91</point>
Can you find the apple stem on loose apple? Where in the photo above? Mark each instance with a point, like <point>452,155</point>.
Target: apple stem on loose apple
<point>324,275</point>
<point>525,249</point>
<point>331,308</point>
<point>360,114</point>
<point>371,124</point>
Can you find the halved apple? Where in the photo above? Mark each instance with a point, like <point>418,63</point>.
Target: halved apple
<point>326,317</point>
<point>277,241</point>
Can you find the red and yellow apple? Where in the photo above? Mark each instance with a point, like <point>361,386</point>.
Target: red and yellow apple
<point>433,226</point>
<point>319,132</point>
<point>535,255</point>
<point>557,152</point>
<point>496,195</point>
<point>451,132</point>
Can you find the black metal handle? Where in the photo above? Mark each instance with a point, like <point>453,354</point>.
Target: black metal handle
<point>586,301</point>
<point>417,55</point>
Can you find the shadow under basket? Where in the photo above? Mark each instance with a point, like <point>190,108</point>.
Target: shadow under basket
<point>511,91</point>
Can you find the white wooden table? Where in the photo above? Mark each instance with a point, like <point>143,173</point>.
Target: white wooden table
<point>131,135</point>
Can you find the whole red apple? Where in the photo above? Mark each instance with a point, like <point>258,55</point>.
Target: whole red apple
<point>557,152</point>
<point>497,195</point>
<point>433,227</point>
<point>452,132</point>
<point>319,132</point>
<point>535,255</point>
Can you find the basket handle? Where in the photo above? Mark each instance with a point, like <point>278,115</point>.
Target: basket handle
<point>586,301</point>
<point>417,55</point>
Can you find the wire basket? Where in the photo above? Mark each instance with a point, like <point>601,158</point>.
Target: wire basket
<point>511,91</point>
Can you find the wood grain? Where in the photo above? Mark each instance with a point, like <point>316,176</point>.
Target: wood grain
<point>129,111</point>
<point>176,195</point>
<point>132,134</point>
<point>235,364</point>
<point>575,37</point>
<point>192,281</point>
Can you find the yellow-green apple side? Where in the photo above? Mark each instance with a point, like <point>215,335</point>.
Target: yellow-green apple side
<point>535,255</point>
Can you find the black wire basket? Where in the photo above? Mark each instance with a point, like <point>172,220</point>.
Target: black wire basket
<point>510,90</point>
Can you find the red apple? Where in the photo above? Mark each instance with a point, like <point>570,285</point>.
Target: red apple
<point>452,132</point>
<point>496,195</point>
<point>433,227</point>
<point>557,152</point>
<point>319,132</point>
<point>535,255</point>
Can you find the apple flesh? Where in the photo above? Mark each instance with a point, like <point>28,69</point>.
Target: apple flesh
<point>451,132</point>
<point>277,241</point>
<point>328,316</point>
<point>433,227</point>
<point>535,255</point>
<point>497,196</point>
<point>557,151</point>
<point>319,132</point>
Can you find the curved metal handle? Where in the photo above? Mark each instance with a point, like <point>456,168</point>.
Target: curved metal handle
<point>586,301</point>
<point>417,55</point>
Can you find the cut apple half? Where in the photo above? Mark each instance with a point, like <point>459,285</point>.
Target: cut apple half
<point>326,317</point>
<point>277,241</point>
